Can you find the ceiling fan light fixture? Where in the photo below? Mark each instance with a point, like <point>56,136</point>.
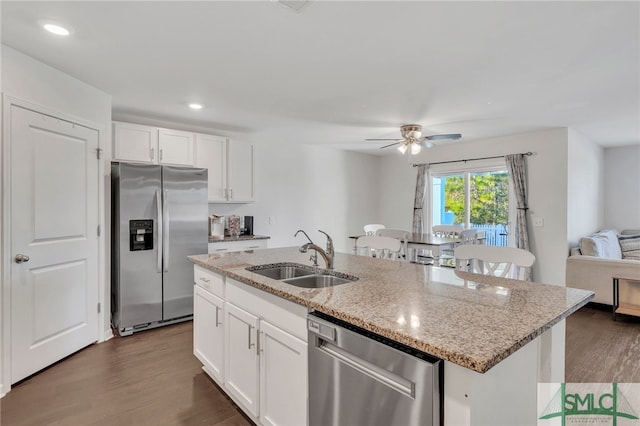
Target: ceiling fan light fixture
<point>415,148</point>
<point>402,148</point>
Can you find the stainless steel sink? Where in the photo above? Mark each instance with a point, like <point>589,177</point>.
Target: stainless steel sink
<point>281,271</point>
<point>318,281</point>
<point>301,275</point>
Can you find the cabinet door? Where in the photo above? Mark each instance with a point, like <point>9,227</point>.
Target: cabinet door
<point>241,361</point>
<point>211,153</point>
<point>133,142</point>
<point>240,171</point>
<point>283,377</point>
<point>208,334</point>
<point>175,147</point>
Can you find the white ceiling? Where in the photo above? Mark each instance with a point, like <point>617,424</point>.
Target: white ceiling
<point>338,72</point>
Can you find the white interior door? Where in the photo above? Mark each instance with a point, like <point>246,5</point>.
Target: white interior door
<point>54,242</point>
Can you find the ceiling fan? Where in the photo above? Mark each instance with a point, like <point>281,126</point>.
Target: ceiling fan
<point>413,140</point>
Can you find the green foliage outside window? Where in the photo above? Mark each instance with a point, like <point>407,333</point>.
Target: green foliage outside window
<point>489,198</point>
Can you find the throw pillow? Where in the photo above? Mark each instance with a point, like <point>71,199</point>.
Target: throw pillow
<point>601,244</point>
<point>630,245</point>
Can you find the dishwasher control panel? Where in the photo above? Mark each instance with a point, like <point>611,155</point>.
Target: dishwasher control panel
<point>325,331</point>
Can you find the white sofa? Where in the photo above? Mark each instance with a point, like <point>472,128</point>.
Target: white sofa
<point>599,258</point>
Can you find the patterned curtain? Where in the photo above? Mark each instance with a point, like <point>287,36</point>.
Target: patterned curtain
<point>517,165</point>
<point>418,202</point>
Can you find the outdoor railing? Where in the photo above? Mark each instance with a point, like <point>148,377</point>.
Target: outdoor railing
<point>494,235</point>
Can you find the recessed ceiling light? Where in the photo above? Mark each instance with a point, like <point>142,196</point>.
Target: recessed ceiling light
<point>56,28</point>
<point>195,106</point>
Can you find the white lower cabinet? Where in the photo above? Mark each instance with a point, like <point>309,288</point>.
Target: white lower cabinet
<point>208,332</point>
<point>253,344</point>
<point>283,376</point>
<point>241,363</point>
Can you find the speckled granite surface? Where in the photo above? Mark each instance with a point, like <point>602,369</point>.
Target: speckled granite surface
<point>468,319</point>
<point>240,238</point>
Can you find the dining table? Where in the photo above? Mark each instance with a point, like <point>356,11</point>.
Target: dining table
<point>421,241</point>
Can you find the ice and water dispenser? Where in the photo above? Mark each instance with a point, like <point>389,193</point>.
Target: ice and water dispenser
<point>141,234</point>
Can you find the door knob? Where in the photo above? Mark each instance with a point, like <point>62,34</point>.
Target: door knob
<point>21,258</point>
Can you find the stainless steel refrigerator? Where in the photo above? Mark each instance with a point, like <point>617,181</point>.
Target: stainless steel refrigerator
<point>158,217</point>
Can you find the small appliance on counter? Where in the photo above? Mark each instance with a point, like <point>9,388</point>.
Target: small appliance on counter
<point>233,223</point>
<point>216,227</point>
<point>247,229</point>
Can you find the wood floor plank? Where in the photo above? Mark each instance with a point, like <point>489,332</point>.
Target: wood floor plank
<point>150,378</point>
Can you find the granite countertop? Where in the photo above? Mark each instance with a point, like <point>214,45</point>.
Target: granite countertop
<point>471,320</point>
<point>228,239</point>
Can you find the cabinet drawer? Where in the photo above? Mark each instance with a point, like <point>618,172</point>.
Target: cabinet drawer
<point>210,281</point>
<point>280,312</point>
<point>227,246</point>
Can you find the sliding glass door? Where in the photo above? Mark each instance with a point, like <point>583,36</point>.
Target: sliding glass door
<point>477,199</point>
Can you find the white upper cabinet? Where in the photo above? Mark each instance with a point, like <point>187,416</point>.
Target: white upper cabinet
<point>240,172</point>
<point>211,153</point>
<point>146,144</point>
<point>175,147</point>
<point>133,142</point>
<point>230,165</point>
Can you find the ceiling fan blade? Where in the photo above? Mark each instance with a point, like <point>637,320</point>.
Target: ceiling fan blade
<point>397,140</point>
<point>392,144</point>
<point>425,142</point>
<point>450,136</point>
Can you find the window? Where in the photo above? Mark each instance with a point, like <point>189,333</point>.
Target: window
<point>477,198</point>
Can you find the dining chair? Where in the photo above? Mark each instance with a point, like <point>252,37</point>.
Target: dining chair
<point>399,234</point>
<point>371,228</point>
<point>469,236</point>
<point>446,230</point>
<point>506,262</point>
<point>380,247</point>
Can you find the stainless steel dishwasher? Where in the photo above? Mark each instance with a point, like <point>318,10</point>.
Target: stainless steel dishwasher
<point>360,378</point>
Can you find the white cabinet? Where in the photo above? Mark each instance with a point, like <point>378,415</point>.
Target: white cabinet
<point>231,168</point>
<point>208,332</point>
<point>175,147</point>
<point>258,355</point>
<point>241,364</point>
<point>283,377</point>
<point>211,153</point>
<point>146,144</point>
<point>239,171</point>
<point>227,246</point>
<point>133,142</point>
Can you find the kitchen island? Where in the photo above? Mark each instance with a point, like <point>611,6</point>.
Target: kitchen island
<point>486,329</point>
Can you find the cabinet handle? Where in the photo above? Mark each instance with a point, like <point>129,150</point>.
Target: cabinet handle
<point>231,194</point>
<point>152,152</point>
<point>205,280</point>
<point>217,316</point>
<point>160,156</point>
<point>258,348</point>
<point>222,249</point>
<point>252,247</point>
<point>249,335</point>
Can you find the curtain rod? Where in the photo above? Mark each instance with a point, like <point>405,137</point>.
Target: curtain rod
<point>470,159</point>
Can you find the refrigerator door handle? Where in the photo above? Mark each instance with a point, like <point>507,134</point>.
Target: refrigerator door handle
<point>165,233</point>
<point>160,226</point>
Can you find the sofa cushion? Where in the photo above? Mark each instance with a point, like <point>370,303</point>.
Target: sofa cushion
<point>601,244</point>
<point>630,246</point>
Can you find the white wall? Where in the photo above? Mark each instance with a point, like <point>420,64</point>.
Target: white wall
<point>547,183</point>
<point>622,187</point>
<point>310,187</point>
<point>43,86</point>
<point>585,187</point>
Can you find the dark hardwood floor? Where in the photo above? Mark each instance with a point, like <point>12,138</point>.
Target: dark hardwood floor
<point>600,350</point>
<point>152,378</point>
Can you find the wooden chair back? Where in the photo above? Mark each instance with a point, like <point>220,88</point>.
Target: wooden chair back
<point>509,262</point>
<point>446,230</point>
<point>380,247</point>
<point>371,228</point>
